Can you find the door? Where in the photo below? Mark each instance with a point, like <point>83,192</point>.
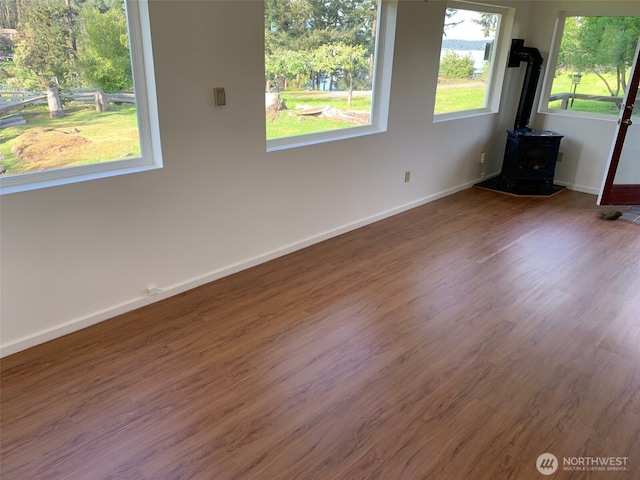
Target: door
<point>621,184</point>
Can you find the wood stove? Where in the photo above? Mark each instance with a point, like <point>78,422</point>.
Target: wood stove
<point>530,161</point>
<point>530,156</point>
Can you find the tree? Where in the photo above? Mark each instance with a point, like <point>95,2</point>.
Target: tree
<point>600,45</point>
<point>283,64</point>
<point>352,60</point>
<point>325,61</point>
<point>6,46</point>
<point>273,69</point>
<point>489,23</point>
<point>449,14</point>
<point>103,49</point>
<point>12,12</point>
<point>45,47</point>
<point>304,26</point>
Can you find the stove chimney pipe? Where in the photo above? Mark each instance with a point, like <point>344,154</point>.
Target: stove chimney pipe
<point>520,53</point>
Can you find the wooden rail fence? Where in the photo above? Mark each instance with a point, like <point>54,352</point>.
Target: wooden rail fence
<point>12,99</point>
<point>566,97</point>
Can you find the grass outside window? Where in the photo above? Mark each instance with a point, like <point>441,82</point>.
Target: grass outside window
<point>82,137</point>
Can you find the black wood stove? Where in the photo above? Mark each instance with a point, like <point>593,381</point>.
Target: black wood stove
<point>530,157</point>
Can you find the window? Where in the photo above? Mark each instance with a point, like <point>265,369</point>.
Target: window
<point>327,69</point>
<point>78,94</point>
<point>590,64</point>
<point>468,78</point>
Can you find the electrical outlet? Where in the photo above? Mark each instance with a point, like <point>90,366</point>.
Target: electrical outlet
<point>560,156</point>
<point>483,158</point>
<point>407,176</point>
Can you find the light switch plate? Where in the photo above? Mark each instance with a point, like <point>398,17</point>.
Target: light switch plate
<point>219,95</point>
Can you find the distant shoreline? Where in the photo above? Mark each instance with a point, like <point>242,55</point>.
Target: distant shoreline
<point>458,44</point>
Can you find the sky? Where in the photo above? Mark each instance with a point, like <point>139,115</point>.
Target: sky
<point>466,30</point>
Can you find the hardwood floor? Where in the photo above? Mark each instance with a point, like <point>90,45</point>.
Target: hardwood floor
<point>459,340</point>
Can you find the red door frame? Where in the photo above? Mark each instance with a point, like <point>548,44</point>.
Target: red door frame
<point>626,194</point>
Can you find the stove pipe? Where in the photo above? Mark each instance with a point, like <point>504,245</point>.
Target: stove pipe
<point>520,53</point>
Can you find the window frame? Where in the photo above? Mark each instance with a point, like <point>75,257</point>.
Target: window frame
<point>381,89</point>
<point>552,63</point>
<point>139,29</point>
<point>499,64</point>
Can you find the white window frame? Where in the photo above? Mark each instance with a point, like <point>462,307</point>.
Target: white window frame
<point>552,63</point>
<point>381,89</point>
<point>498,66</point>
<point>147,111</point>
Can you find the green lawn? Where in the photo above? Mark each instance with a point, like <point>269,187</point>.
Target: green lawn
<point>456,99</point>
<point>287,123</point>
<point>338,100</point>
<point>451,98</point>
<point>82,137</point>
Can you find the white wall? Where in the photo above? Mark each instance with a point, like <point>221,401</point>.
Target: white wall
<point>77,254</point>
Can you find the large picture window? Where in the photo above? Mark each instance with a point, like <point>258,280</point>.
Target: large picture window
<point>77,92</point>
<point>327,69</point>
<point>469,79</point>
<point>590,65</point>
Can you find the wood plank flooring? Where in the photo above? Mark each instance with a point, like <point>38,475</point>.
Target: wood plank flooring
<point>459,340</point>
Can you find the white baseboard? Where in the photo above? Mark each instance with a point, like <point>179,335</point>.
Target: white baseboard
<point>578,188</point>
<point>127,306</point>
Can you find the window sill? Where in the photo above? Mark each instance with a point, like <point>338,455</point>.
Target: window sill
<point>445,117</point>
<point>285,143</point>
<point>577,114</point>
<point>64,176</point>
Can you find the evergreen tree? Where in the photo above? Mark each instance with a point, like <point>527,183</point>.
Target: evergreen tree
<point>44,47</point>
<point>44,44</point>
<point>6,46</point>
<point>12,12</point>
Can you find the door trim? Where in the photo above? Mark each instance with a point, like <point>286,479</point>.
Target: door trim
<point>611,194</point>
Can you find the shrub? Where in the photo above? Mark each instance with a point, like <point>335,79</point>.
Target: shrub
<point>456,66</point>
